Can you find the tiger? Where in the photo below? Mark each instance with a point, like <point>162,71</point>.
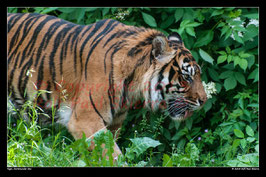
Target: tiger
<point>94,73</point>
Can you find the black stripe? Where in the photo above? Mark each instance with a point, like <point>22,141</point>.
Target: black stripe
<point>57,40</point>
<point>160,78</point>
<point>45,41</point>
<point>109,39</point>
<point>75,57</point>
<point>20,79</point>
<point>77,33</point>
<point>16,35</point>
<point>62,34</point>
<point>95,29</point>
<point>109,92</point>
<point>138,48</point>
<point>32,41</point>
<point>48,88</point>
<point>62,56</point>
<point>40,74</point>
<point>13,20</point>
<point>98,25</point>
<point>104,61</point>
<point>11,74</point>
<point>117,47</point>
<point>183,52</point>
<point>106,30</point>
<point>95,109</point>
<point>85,41</point>
<point>127,81</point>
<point>171,74</point>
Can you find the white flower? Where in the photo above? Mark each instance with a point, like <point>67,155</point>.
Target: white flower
<point>121,15</point>
<point>209,89</point>
<point>239,34</point>
<point>232,36</point>
<point>237,19</point>
<point>253,22</point>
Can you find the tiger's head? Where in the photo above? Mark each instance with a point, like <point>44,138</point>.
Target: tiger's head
<point>176,84</point>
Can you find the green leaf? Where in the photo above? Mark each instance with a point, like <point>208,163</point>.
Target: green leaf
<point>205,38</point>
<point>230,83</point>
<point>167,161</point>
<point>189,123</point>
<point>238,133</point>
<point>47,10</point>
<point>184,23</point>
<point>213,74</point>
<point>66,10</point>
<point>229,58</point>
<point>105,11</point>
<point>224,30</point>
<point>79,14</point>
<point>236,143</point>
<point>244,55</point>
<point>243,143</point>
<point>149,19</point>
<point>217,12</point>
<point>240,78</point>
<point>221,59</point>
<point>252,31</point>
<point>254,75</point>
<point>251,61</point>
<point>228,33</point>
<point>226,74</point>
<point>205,56</point>
<point>165,24</point>
<point>207,106</point>
<point>238,39</point>
<point>190,31</point>
<point>251,139</point>
<point>252,15</point>
<point>249,131</point>
<point>179,30</point>
<point>178,135</point>
<point>236,60</point>
<point>140,145</point>
<point>178,14</point>
<point>243,63</point>
<point>193,24</point>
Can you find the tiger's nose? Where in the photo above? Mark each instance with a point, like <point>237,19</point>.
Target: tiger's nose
<point>202,100</point>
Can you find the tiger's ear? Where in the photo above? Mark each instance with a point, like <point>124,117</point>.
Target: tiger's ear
<point>175,37</point>
<point>161,50</point>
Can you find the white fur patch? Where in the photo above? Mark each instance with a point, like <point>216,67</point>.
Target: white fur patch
<point>173,38</point>
<point>65,113</point>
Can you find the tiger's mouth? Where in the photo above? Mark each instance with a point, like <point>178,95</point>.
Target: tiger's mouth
<point>178,109</point>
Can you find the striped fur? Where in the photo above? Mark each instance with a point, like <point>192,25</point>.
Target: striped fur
<point>96,72</point>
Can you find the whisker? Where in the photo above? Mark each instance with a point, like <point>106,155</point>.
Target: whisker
<point>184,108</point>
<point>191,102</point>
<point>177,107</point>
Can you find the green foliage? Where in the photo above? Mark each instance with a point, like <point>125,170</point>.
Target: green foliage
<point>224,41</point>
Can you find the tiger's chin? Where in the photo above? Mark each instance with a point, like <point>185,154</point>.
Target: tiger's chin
<point>176,116</point>
<point>182,117</point>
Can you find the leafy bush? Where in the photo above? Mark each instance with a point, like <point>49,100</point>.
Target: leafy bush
<point>224,41</point>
